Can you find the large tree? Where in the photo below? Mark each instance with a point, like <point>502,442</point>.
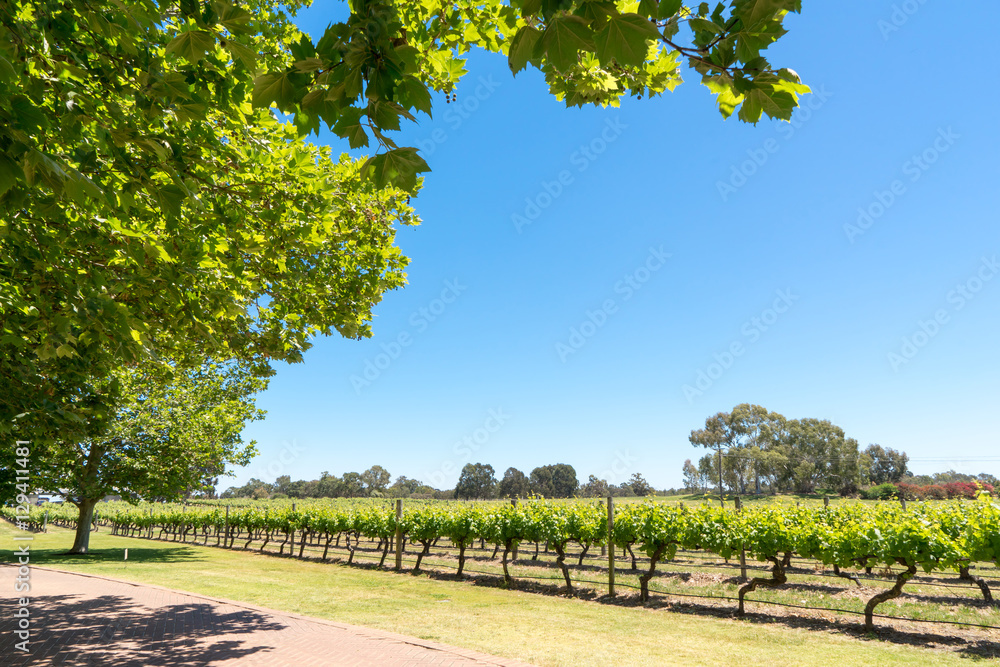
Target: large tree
<point>554,481</point>
<point>883,464</point>
<point>169,436</point>
<point>740,438</point>
<point>819,454</point>
<point>152,205</point>
<point>476,481</point>
<point>514,484</point>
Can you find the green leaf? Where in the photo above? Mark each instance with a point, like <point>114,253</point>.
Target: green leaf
<point>398,168</point>
<point>521,47</point>
<point>192,45</point>
<point>754,11</point>
<point>728,99</point>
<point>233,18</point>
<point>564,36</point>
<point>7,71</point>
<point>349,127</point>
<point>668,8</point>
<point>411,93</point>
<point>242,54</point>
<point>625,39</point>
<point>277,88</point>
<point>10,173</point>
<point>529,7</point>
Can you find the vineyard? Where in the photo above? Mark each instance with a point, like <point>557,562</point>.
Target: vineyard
<point>850,558</point>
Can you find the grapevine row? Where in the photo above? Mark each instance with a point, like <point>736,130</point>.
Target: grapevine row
<point>928,537</point>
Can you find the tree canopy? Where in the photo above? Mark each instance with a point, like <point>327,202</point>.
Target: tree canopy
<point>759,446</point>
<point>155,208</point>
<point>170,435</point>
<point>476,481</point>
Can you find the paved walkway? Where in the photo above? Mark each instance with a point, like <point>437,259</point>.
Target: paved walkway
<point>82,620</point>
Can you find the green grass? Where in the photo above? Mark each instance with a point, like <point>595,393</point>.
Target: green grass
<point>542,629</point>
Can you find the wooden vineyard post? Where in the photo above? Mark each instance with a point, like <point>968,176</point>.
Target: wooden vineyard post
<point>743,551</point>
<point>826,501</point>
<point>513,502</point>
<point>399,534</point>
<point>604,547</point>
<point>225,533</point>
<point>611,547</point>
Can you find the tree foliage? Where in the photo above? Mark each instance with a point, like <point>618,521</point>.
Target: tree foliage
<point>762,447</point>
<point>515,484</point>
<point>554,481</point>
<point>883,464</point>
<point>154,207</point>
<point>476,481</point>
<point>169,436</point>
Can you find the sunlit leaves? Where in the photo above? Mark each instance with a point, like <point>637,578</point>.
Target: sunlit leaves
<point>193,44</point>
<point>563,38</point>
<point>625,39</point>
<point>276,88</point>
<point>398,167</point>
<point>522,48</point>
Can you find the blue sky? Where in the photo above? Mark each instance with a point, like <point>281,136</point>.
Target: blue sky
<point>848,257</point>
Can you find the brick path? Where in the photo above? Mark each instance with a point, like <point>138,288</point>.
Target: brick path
<point>96,621</point>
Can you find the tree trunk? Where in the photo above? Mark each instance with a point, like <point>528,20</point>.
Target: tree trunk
<point>461,557</point>
<point>81,543</point>
<point>420,556</point>
<point>561,561</point>
<point>506,575</point>
<point>385,552</point>
<point>90,494</point>
<point>885,596</point>
<point>644,579</point>
<point>965,575</point>
<point>846,575</point>
<point>777,579</point>
<point>583,554</point>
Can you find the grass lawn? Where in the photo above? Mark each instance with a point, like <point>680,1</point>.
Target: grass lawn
<point>542,629</point>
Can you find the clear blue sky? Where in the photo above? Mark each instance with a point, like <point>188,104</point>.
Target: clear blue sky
<point>906,116</point>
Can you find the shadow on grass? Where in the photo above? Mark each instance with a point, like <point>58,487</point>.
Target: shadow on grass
<point>117,630</point>
<point>57,557</point>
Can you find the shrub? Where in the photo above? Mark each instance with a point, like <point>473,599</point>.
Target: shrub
<point>885,491</point>
<point>935,492</point>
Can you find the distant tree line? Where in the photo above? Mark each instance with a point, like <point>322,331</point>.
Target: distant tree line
<point>372,483</point>
<point>476,481</point>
